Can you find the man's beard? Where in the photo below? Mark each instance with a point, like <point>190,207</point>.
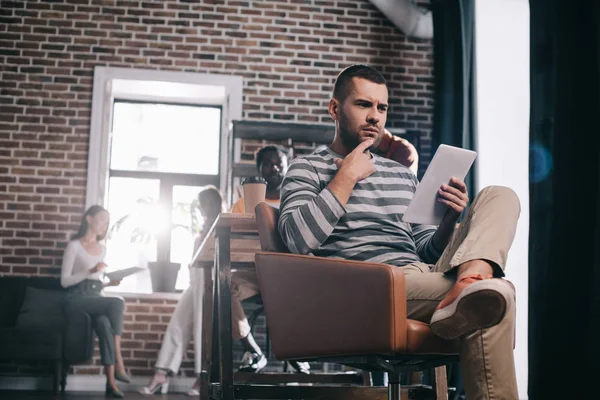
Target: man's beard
<point>352,139</point>
<point>349,139</point>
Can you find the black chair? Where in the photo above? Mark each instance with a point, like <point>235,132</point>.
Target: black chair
<point>62,343</point>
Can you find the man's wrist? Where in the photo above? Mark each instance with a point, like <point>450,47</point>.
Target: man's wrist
<point>341,187</point>
<point>450,219</point>
<point>346,178</point>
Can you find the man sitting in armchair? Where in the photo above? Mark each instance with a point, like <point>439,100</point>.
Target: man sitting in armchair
<point>272,164</point>
<point>347,202</point>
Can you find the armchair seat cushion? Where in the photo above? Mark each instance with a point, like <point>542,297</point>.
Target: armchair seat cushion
<point>31,344</point>
<point>421,340</point>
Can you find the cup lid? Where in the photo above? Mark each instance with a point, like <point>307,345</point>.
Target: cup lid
<point>254,179</point>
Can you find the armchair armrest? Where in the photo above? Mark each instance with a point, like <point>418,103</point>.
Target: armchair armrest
<point>319,307</point>
<point>78,336</point>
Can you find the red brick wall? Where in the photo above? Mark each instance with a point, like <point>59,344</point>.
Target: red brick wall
<point>288,52</point>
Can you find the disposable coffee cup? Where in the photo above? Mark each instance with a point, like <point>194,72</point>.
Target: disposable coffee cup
<point>255,189</point>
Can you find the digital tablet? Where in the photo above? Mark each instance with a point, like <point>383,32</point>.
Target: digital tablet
<point>447,162</point>
<point>122,273</point>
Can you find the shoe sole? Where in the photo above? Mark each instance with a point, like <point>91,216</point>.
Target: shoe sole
<point>296,367</point>
<point>477,307</point>
<point>258,369</point>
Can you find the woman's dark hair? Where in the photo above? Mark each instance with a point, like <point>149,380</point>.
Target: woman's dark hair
<point>84,226</point>
<point>209,198</point>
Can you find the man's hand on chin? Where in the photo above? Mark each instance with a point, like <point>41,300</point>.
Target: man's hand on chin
<point>357,165</point>
<point>352,169</point>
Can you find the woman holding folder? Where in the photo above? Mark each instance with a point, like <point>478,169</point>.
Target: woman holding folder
<point>81,272</point>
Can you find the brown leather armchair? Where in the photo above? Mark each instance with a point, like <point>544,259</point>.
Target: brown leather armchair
<point>347,312</point>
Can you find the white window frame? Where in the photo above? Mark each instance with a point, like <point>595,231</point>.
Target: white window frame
<point>102,100</point>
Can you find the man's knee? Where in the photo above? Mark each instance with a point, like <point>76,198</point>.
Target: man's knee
<point>235,287</point>
<point>241,287</point>
<point>508,291</point>
<point>502,194</point>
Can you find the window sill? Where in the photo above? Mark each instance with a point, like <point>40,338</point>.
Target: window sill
<point>157,296</point>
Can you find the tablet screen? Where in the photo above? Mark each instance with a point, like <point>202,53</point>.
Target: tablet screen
<point>448,161</point>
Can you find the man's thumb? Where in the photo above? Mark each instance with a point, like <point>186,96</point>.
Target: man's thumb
<point>337,161</point>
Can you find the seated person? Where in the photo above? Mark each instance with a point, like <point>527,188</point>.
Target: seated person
<point>81,273</point>
<point>453,275</point>
<point>272,164</point>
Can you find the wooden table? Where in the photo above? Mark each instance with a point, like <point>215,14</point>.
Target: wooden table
<point>231,243</point>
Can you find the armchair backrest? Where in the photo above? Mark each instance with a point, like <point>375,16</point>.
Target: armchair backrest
<point>267,218</point>
<point>12,294</point>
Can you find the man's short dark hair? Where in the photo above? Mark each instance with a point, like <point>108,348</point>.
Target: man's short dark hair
<point>260,155</point>
<point>343,83</point>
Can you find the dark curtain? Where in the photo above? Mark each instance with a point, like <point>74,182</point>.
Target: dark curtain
<point>564,246</point>
<point>455,110</point>
<point>453,50</point>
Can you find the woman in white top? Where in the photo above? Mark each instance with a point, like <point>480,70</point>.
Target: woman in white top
<point>81,272</point>
<point>180,329</point>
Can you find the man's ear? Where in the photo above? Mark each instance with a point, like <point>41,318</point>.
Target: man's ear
<point>334,109</point>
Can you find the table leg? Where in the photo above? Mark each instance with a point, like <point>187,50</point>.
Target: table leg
<point>215,372</point>
<point>440,383</point>
<point>207,330</point>
<point>223,267</point>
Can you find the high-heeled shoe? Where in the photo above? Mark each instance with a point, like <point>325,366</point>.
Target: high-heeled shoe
<point>195,390</point>
<point>158,387</point>
<point>113,392</point>
<point>122,377</point>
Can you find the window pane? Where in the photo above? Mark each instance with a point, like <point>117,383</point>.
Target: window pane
<point>135,220</point>
<point>186,220</point>
<point>165,138</point>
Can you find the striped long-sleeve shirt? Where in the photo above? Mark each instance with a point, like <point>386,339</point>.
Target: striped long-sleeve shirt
<point>369,228</point>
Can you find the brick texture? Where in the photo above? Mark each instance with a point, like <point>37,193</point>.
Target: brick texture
<point>288,52</point>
